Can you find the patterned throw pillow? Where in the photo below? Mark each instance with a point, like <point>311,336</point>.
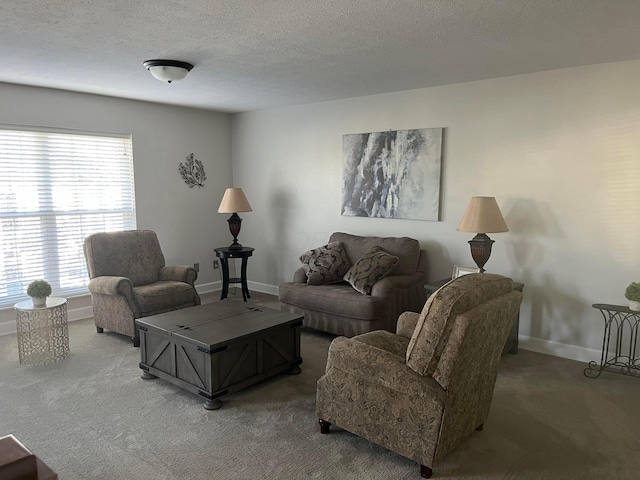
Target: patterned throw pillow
<point>374,265</point>
<point>326,264</point>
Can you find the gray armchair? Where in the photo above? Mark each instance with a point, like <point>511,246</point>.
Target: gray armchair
<point>129,280</point>
<point>422,391</point>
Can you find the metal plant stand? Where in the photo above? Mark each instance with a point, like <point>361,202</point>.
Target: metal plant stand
<point>43,335</point>
<point>624,358</point>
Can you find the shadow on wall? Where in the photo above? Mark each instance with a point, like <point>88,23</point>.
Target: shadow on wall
<point>439,264</point>
<point>529,223</point>
<point>558,313</point>
<point>556,310</point>
<point>279,206</point>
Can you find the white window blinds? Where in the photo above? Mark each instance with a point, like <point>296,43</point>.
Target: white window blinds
<point>55,189</point>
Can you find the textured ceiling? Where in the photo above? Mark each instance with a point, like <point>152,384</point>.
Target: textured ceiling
<point>251,55</point>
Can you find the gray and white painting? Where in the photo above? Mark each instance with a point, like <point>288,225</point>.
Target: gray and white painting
<point>394,174</point>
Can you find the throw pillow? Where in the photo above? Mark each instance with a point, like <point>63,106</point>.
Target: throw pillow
<point>326,264</point>
<point>373,266</point>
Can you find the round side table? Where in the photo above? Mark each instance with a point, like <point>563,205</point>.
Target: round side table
<point>224,254</point>
<point>43,334</point>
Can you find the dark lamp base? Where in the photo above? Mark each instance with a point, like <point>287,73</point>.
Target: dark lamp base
<point>481,249</point>
<point>235,222</point>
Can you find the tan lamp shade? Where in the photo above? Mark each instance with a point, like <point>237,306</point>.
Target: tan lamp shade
<point>234,201</point>
<point>483,216</point>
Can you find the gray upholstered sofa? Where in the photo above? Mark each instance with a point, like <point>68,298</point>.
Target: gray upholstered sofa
<point>422,391</point>
<point>129,280</point>
<point>340,309</point>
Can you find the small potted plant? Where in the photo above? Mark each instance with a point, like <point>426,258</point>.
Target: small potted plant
<point>632,293</point>
<point>39,290</point>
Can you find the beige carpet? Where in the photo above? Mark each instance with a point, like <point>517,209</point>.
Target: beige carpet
<point>92,417</point>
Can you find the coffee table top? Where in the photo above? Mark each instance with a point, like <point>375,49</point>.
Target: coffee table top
<point>216,324</point>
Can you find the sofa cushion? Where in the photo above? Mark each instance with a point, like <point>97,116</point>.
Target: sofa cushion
<point>339,299</point>
<point>326,264</point>
<point>440,310</point>
<point>406,249</point>
<point>163,295</point>
<point>371,267</point>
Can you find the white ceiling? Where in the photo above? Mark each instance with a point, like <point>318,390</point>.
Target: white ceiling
<point>252,54</point>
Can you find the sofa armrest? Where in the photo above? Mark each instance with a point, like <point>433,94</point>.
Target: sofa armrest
<point>299,276</point>
<point>375,365</point>
<point>179,273</point>
<point>384,286</point>
<point>407,324</point>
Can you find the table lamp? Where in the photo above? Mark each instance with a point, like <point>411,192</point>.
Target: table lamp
<point>482,216</point>
<point>233,202</point>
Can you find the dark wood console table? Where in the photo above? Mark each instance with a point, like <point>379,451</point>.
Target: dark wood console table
<point>512,342</point>
<point>624,359</point>
<point>224,254</point>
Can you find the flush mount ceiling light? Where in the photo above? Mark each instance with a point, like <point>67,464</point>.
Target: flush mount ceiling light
<point>168,70</point>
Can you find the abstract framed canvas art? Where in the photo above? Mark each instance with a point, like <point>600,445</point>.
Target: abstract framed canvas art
<point>393,174</point>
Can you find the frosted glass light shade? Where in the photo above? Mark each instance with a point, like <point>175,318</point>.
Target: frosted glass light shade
<point>234,201</point>
<point>168,70</point>
<point>483,216</point>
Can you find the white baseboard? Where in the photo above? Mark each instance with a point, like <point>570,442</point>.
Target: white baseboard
<point>74,314</point>
<point>80,313</point>
<point>572,352</point>
<point>253,286</point>
<point>209,287</point>
<point>263,288</point>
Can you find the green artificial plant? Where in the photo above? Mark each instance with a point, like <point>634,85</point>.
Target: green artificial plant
<point>39,289</point>
<point>633,292</point>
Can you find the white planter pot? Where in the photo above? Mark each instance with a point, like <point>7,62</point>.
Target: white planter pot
<point>39,301</point>
<point>635,306</point>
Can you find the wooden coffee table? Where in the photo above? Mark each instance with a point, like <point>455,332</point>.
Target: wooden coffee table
<point>219,348</point>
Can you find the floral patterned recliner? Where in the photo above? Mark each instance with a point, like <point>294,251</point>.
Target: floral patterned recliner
<point>422,391</point>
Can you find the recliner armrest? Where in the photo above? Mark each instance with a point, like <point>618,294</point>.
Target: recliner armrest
<point>108,285</point>
<point>375,365</point>
<point>407,324</point>
<point>111,285</point>
<point>179,273</point>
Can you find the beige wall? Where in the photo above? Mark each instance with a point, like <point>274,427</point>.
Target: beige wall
<point>185,219</point>
<point>559,150</point>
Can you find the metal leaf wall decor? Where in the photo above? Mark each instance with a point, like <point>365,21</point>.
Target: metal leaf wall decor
<point>193,172</point>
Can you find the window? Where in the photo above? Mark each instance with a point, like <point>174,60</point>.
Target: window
<point>57,187</point>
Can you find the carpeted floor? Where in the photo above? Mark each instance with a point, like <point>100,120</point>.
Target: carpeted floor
<point>92,417</point>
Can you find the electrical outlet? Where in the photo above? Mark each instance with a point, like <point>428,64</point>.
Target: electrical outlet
<point>216,264</point>
<point>196,266</point>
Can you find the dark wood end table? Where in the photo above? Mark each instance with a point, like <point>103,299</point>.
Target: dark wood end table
<point>224,254</point>
<point>512,341</point>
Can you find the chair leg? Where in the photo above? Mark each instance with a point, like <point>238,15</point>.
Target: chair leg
<point>100,329</point>
<point>136,341</point>
<point>425,472</point>
<point>480,427</point>
<point>324,426</point>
